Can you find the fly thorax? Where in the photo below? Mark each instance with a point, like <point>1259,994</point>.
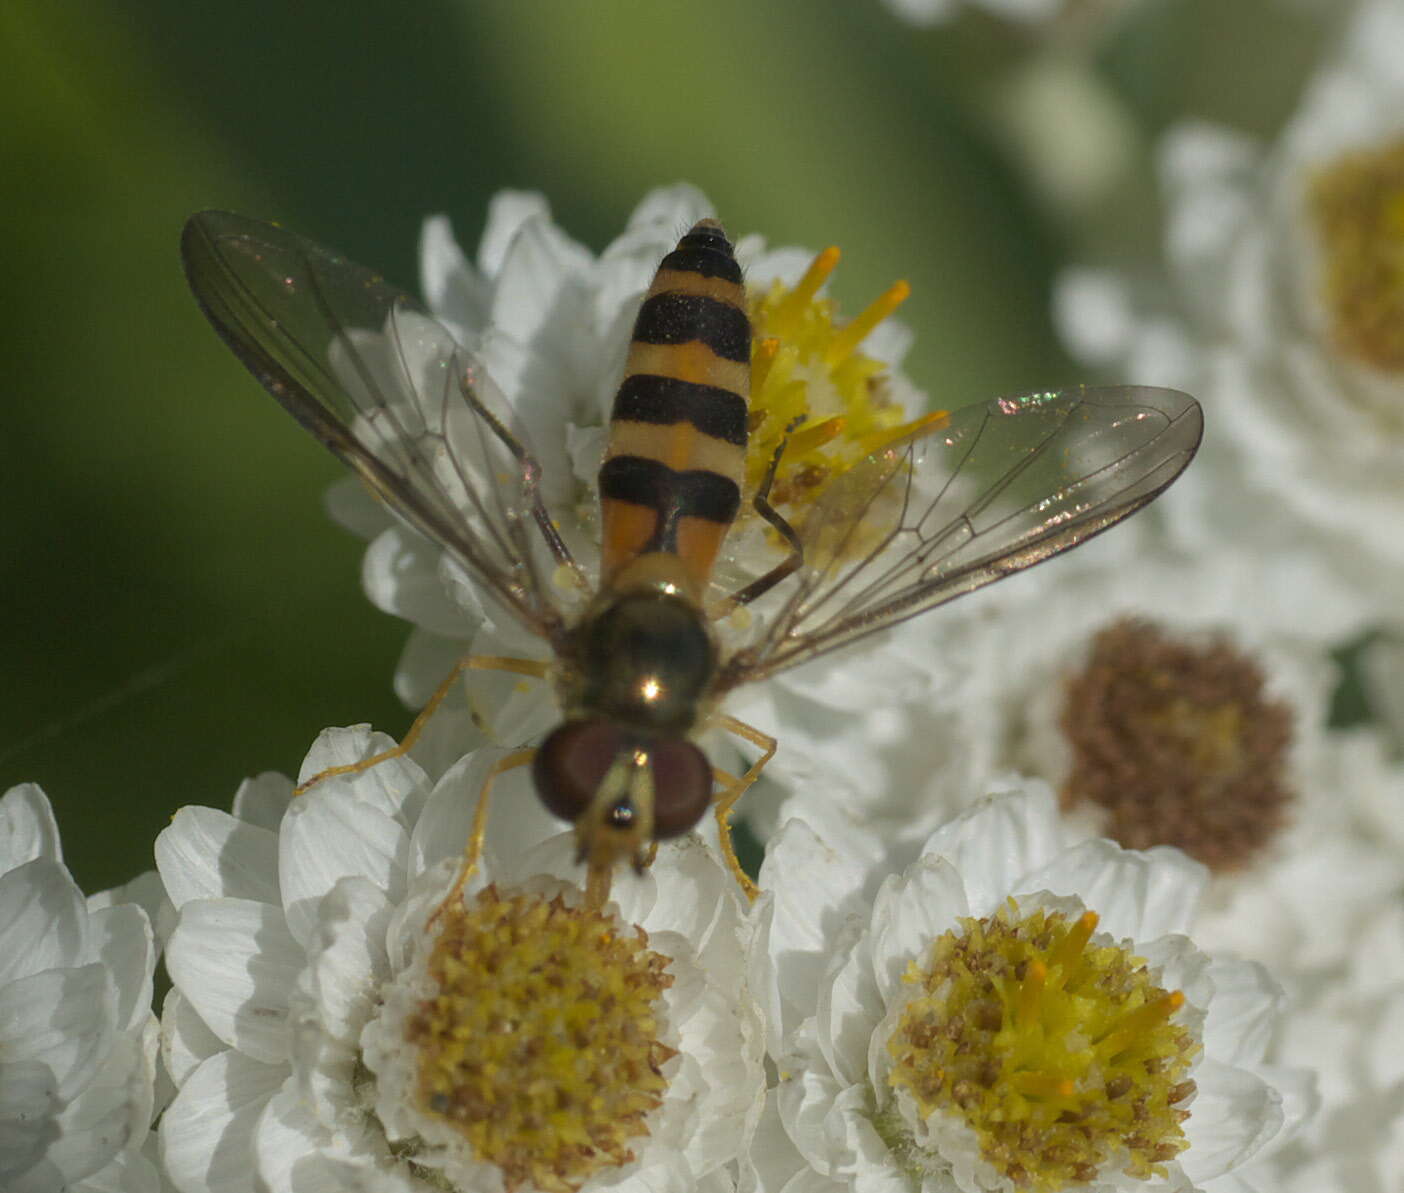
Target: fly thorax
<point>646,661</point>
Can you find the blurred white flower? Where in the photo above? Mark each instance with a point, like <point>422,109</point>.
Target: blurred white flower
<point>1008,1012</point>
<point>1170,700</point>
<point>932,12</point>
<point>1348,1030</point>
<point>77,1035</point>
<point>1283,312</point>
<point>1383,665</point>
<point>334,1023</point>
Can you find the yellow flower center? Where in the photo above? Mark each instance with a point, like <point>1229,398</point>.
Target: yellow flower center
<point>1358,207</point>
<point>541,1045</point>
<point>1060,1055</point>
<point>810,382</point>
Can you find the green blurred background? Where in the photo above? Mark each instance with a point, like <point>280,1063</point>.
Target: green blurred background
<point>178,612</point>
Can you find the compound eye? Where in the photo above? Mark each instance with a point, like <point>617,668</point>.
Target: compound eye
<point>571,764</point>
<point>682,786</point>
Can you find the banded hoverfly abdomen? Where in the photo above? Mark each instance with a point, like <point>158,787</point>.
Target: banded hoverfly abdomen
<point>671,478</point>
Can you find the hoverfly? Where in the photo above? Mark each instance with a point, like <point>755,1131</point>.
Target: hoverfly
<point>962,500</point>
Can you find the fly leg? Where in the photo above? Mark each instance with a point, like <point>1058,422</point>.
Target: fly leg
<point>787,566</point>
<point>531,482</point>
<point>473,850</point>
<point>532,667</point>
<point>735,788</point>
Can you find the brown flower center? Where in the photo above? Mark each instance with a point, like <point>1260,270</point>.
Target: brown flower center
<point>1178,743</point>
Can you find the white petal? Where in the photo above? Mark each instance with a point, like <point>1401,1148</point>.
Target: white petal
<point>1301,1100</point>
<point>908,915</point>
<point>805,1095</point>
<point>773,1160</point>
<point>27,827</point>
<point>1182,967</point>
<point>207,1132</point>
<point>43,920</point>
<point>539,262</point>
<point>719,1078</point>
<point>263,800</point>
<point>351,505</point>
<point>294,1154</point>
<point>347,961</point>
<point>326,838</point>
<point>237,963</point>
<point>1137,894</point>
<point>128,1172</point>
<point>698,899</point>
<point>147,892</point>
<point>1244,1012</point>
<point>814,883</point>
<point>690,894</point>
<point>671,209</point>
<point>208,854</point>
<point>62,1019</point>
<point>104,1116</point>
<point>507,212</point>
<point>121,939</point>
<point>453,289</point>
<point>868,1165</point>
<point>29,1101</point>
<point>424,662</point>
<point>516,819</point>
<point>387,786</point>
<point>997,841</point>
<point>1232,1115</point>
<point>400,573</point>
<point>186,1040</point>
<point>850,1008</point>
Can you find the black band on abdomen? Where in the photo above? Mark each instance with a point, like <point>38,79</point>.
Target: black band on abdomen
<point>674,495</point>
<point>704,260</point>
<point>683,318</point>
<point>663,401</point>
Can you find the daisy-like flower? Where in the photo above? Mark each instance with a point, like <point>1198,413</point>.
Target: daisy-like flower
<point>1008,1013</point>
<point>1170,700</point>
<point>343,1017</point>
<point>1283,310</point>
<point>77,1036</point>
<point>1347,1030</point>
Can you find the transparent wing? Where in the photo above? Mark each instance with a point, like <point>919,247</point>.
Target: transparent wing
<point>992,489</point>
<point>385,386</point>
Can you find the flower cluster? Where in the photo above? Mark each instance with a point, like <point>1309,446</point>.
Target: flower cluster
<point>1079,886</point>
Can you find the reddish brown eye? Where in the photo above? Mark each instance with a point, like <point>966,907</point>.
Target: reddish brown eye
<point>682,786</point>
<point>571,763</point>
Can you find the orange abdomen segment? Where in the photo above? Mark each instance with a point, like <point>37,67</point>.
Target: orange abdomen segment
<point>671,479</point>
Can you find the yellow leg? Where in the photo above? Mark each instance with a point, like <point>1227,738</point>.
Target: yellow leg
<point>473,850</point>
<point>734,788</point>
<point>531,667</point>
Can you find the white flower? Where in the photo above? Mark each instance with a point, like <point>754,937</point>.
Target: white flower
<point>1348,1030</point>
<point>77,1036</point>
<point>1284,317</point>
<point>334,1023</point>
<point>997,1015</point>
<point>1171,700</point>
